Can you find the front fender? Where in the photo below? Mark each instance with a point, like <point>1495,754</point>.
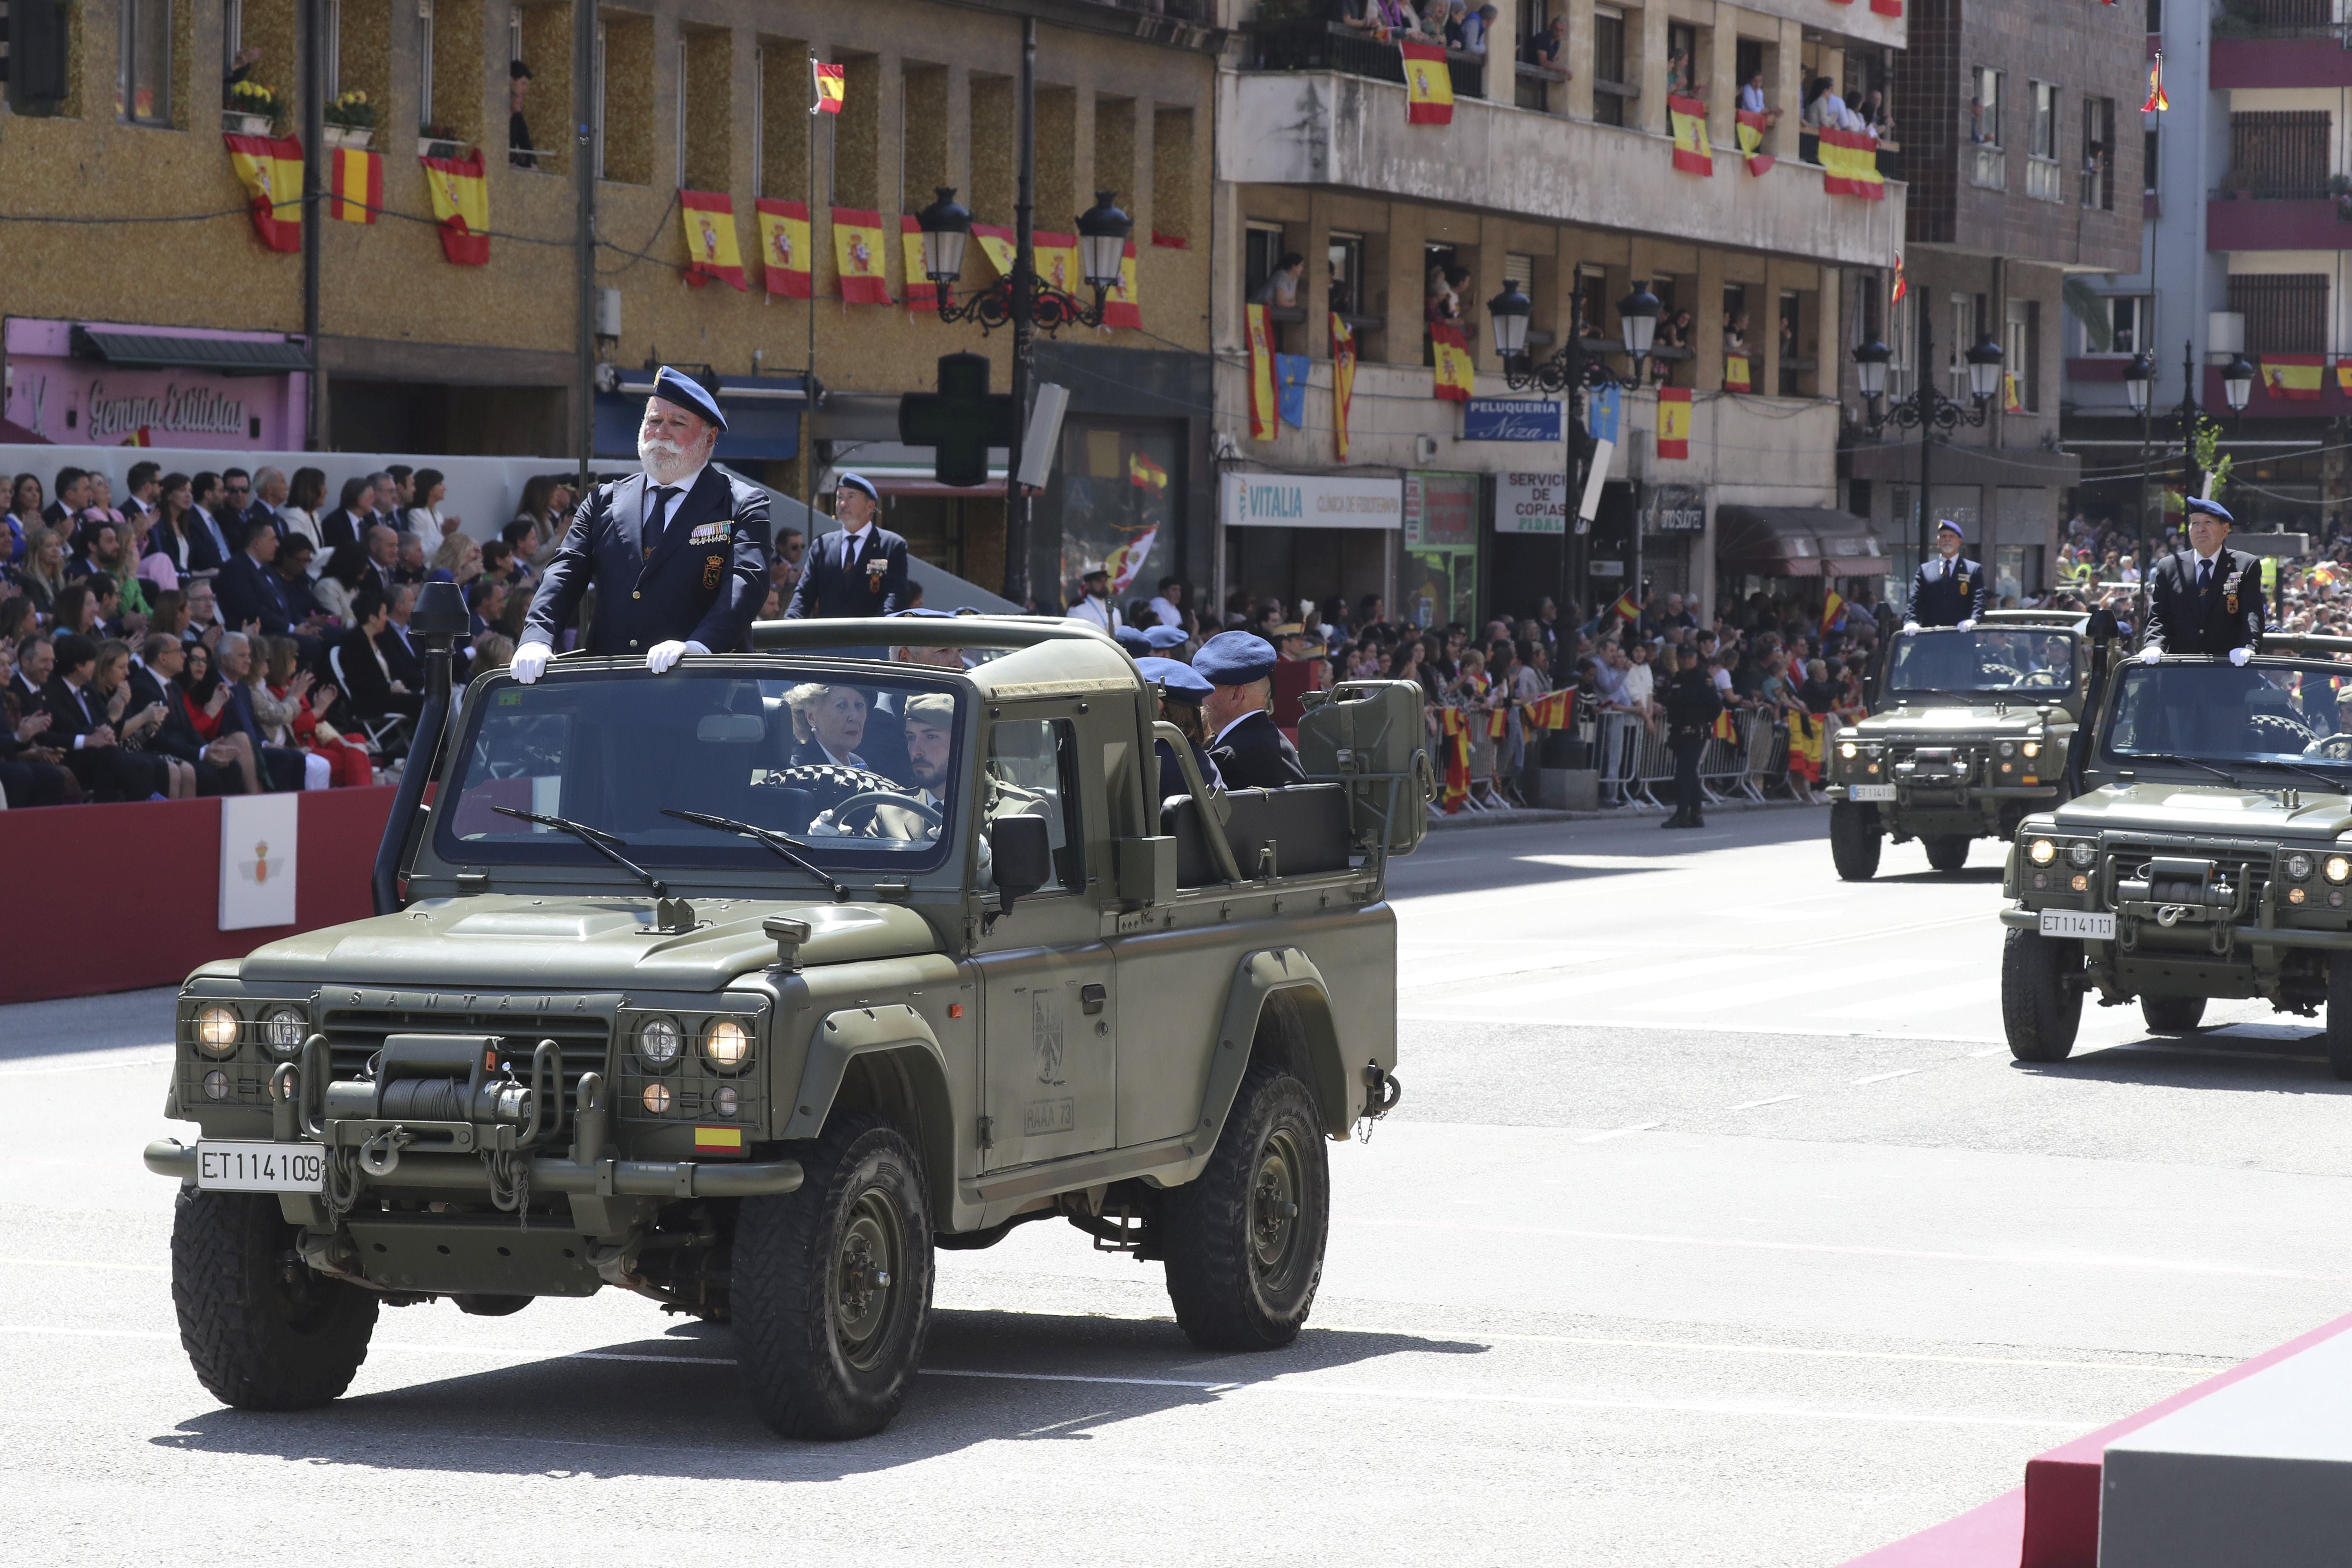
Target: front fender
<point>854,1032</point>
<point>1260,977</point>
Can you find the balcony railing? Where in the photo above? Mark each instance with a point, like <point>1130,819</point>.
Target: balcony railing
<point>2277,19</point>
<point>1327,46</point>
<point>1988,166</point>
<point>2043,179</point>
<point>1201,13</point>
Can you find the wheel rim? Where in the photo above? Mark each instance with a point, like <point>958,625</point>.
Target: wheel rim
<point>867,1273</point>
<point>1274,1208</point>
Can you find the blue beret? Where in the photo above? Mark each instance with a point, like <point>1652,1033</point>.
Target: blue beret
<point>2210,508</point>
<point>1957,531</point>
<point>848,480</point>
<point>674,385</point>
<point>1234,659</point>
<point>1132,639</point>
<point>1163,638</point>
<point>1178,681</point>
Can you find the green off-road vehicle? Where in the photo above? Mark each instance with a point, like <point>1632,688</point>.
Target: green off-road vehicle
<point>2208,854</point>
<point>1968,732</point>
<point>746,986</point>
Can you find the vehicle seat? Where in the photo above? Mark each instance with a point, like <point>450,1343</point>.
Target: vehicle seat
<point>1306,825</point>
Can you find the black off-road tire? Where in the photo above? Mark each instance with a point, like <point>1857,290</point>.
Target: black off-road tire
<point>1946,852</point>
<point>827,1349</point>
<point>2339,1014</point>
<point>263,1330</point>
<point>2041,996</point>
<point>1245,1239</point>
<point>1855,840</point>
<point>2173,1014</point>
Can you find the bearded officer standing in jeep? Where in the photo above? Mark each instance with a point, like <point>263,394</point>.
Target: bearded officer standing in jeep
<point>2209,601</point>
<point>678,554</point>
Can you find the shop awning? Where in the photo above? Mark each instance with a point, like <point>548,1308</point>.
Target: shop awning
<point>1797,541</point>
<point>169,351</point>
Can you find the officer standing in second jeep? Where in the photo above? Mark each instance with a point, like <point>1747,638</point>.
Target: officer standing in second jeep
<point>2208,599</point>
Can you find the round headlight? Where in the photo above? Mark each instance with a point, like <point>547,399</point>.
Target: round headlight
<point>726,1043</point>
<point>657,1098</point>
<point>727,1103</point>
<point>2041,851</point>
<point>657,1043</point>
<point>2033,748</point>
<point>2298,868</point>
<point>216,1028</point>
<point>1848,750</point>
<point>281,1030</point>
<point>2337,869</point>
<point>215,1085</point>
<point>2082,854</point>
<point>2009,748</point>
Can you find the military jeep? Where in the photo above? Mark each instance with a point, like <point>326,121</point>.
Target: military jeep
<point>2208,853</point>
<point>746,986</point>
<point>1968,732</point>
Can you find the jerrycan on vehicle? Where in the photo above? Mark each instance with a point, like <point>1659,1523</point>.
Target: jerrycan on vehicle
<point>1370,736</point>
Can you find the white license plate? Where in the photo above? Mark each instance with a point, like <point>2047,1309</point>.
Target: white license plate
<point>1870,791</point>
<point>2084,923</point>
<point>261,1167</point>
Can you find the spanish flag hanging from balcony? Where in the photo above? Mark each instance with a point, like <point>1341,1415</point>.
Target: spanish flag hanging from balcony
<point>710,248</point>
<point>461,203</point>
<point>271,172</point>
<point>355,185</point>
<point>1850,164</point>
<point>2009,399</point>
<point>922,292</point>
<point>995,242</point>
<point>2157,102</point>
<point>1343,381</point>
<point>1689,116</point>
<point>1451,355</point>
<point>2343,377</point>
<point>1902,284</point>
<point>784,248</point>
<point>1752,126</point>
<point>1674,422</point>
<point>832,87</point>
<point>1056,256</point>
<point>1428,85</point>
<point>1265,418</point>
<point>2294,377</point>
<point>858,257</point>
<point>1736,373</point>
<point>1122,307</point>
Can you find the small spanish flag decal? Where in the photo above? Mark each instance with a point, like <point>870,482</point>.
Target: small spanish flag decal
<point>719,1140</point>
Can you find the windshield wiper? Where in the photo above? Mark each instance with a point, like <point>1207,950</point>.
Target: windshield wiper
<point>2333,787</point>
<point>769,837</point>
<point>2183,762</point>
<point>596,839</point>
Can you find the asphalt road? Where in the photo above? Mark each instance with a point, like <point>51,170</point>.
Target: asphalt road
<point>1716,1226</point>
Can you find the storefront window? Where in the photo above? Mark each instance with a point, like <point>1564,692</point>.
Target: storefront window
<point>1120,489</point>
<point>1439,582</point>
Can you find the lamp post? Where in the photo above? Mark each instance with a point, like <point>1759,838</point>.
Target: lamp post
<point>2139,385</point>
<point>1020,300</point>
<point>1927,410</point>
<point>1571,371</point>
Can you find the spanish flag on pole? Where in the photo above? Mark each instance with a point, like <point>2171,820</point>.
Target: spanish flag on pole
<point>710,248</point>
<point>1552,711</point>
<point>1266,413</point>
<point>1343,381</point>
<point>1689,116</point>
<point>1752,126</point>
<point>2157,102</point>
<point>1833,609</point>
<point>355,185</point>
<point>1902,284</point>
<point>1850,164</point>
<point>271,173</point>
<point>461,202</point>
<point>1674,423</point>
<point>1428,85</point>
<point>1144,474</point>
<point>784,248</point>
<point>858,257</point>
<point>2294,377</point>
<point>1625,609</point>
<point>832,87</point>
<point>1451,354</point>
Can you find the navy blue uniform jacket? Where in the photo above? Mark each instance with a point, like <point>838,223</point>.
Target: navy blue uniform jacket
<point>1940,601</point>
<point>1255,754</point>
<point>2226,616</point>
<point>873,585</point>
<point>703,583</point>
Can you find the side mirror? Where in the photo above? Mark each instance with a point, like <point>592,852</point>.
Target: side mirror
<point>1022,854</point>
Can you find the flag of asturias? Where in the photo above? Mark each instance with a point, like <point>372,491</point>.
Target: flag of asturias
<point>461,203</point>
<point>711,248</point>
<point>784,248</point>
<point>1428,85</point>
<point>354,186</point>
<point>832,86</point>
<point>1451,351</point>
<point>1752,126</point>
<point>271,172</point>
<point>1688,117</point>
<point>1265,418</point>
<point>1674,423</point>
<point>858,257</point>
<point>2296,377</point>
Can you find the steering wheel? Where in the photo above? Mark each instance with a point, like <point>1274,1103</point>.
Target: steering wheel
<point>2046,678</point>
<point>827,783</point>
<point>869,800</point>
<point>2335,748</point>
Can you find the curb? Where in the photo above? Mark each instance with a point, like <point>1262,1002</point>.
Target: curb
<point>1464,820</point>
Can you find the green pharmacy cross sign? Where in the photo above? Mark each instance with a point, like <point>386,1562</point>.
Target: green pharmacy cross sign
<point>961,421</point>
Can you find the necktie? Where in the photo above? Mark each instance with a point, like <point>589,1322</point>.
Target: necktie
<point>2204,576</point>
<point>655,513</point>
<point>848,550</point>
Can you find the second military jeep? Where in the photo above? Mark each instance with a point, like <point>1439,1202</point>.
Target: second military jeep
<point>745,986</point>
<point>1968,732</point>
<point>2209,853</point>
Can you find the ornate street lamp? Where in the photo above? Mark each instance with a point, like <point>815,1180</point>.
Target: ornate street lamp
<point>946,226</point>
<point>1927,410</point>
<point>2237,384</point>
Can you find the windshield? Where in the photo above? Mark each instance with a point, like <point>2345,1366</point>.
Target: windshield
<point>1985,660</point>
<point>856,771</point>
<point>2266,712</point>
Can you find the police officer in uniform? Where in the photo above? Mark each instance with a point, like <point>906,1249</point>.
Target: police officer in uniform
<point>2208,600</point>
<point>1692,705</point>
<point>1950,591</point>
<point>1248,747</point>
<point>678,554</point>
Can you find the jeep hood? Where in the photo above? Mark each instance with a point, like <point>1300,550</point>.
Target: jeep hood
<point>2178,807</point>
<point>1957,722</point>
<point>500,941</point>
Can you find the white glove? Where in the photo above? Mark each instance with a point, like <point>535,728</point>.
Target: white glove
<point>529,662</point>
<point>662,655</point>
<point>2150,655</point>
<point>1910,628</point>
<point>1968,625</point>
<point>2240,655</point>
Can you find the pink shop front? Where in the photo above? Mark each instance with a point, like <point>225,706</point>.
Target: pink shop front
<point>110,383</point>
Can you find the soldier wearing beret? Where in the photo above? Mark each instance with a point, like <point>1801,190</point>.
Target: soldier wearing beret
<point>2209,600</point>
<point>1247,748</point>
<point>1950,590</point>
<point>859,569</point>
<point>1182,691</point>
<point>678,554</point>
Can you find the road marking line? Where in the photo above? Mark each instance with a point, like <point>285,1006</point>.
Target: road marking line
<point>1883,1076</point>
<point>1619,1132</point>
<point>84,1066</point>
<point>1759,1104</point>
<point>1802,1027</point>
<point>1749,992</point>
<point>82,1263</point>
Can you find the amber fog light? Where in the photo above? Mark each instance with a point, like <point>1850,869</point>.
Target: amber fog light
<point>216,1085</point>
<point>2081,884</point>
<point>2295,895</point>
<point>216,1028</point>
<point>657,1098</point>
